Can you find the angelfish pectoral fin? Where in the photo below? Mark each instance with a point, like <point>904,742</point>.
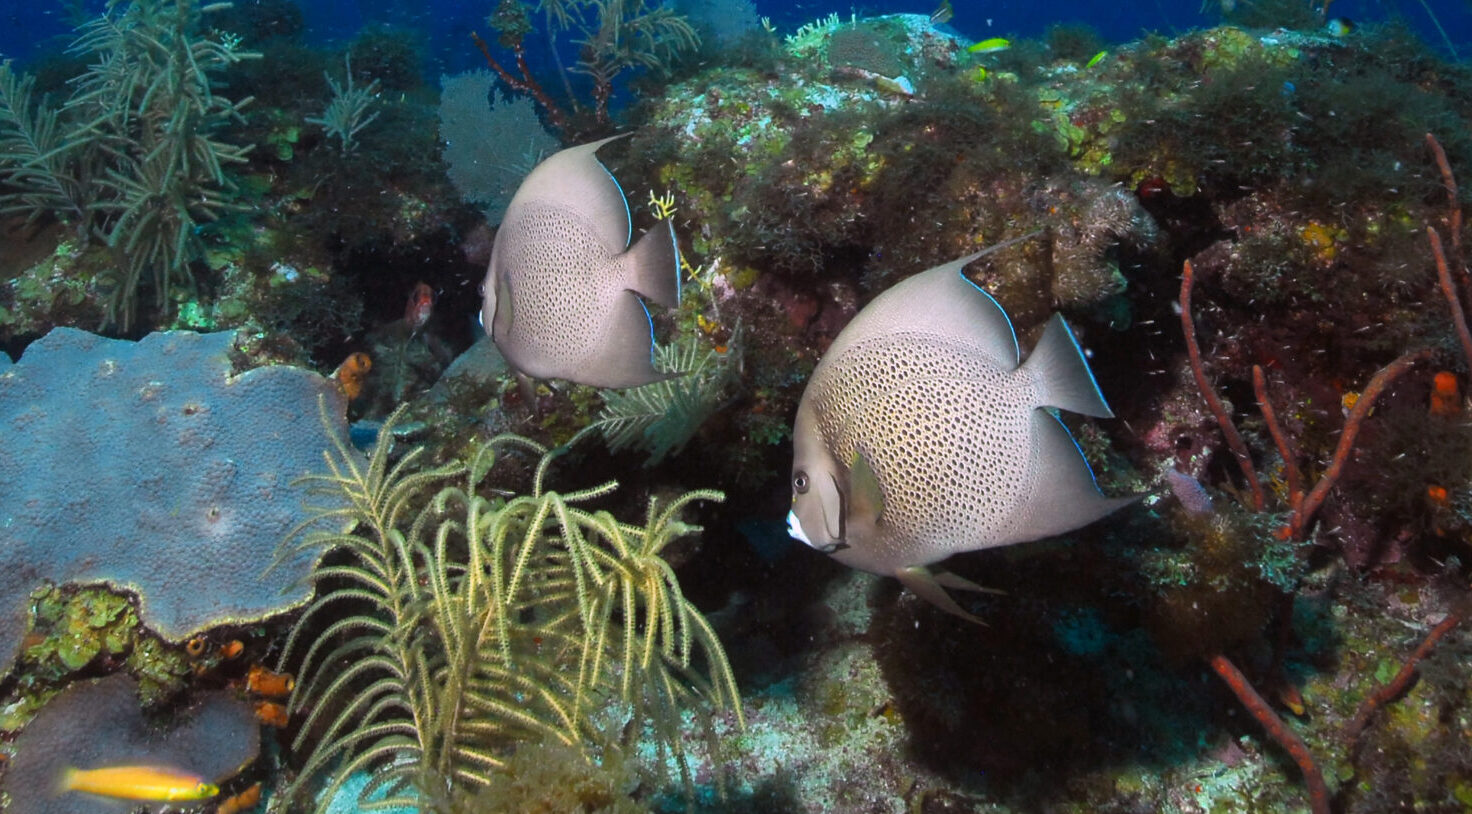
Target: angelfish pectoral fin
<point>928,587</point>
<point>865,495</point>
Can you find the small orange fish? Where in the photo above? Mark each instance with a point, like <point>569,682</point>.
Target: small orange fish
<point>231,649</point>
<point>261,681</point>
<point>1438,496</point>
<point>271,713</point>
<point>351,374</point>
<point>421,305</point>
<point>138,783</point>
<point>1446,396</point>
<point>1292,699</point>
<point>243,801</point>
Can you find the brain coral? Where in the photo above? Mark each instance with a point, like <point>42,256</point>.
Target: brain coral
<point>153,468</point>
<point>97,723</point>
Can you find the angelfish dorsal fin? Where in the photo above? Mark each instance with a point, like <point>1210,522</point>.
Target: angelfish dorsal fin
<point>866,499</point>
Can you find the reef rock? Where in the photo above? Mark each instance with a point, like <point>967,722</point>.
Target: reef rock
<point>153,467</point>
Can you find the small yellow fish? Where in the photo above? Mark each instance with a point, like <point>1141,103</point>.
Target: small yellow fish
<point>138,783</point>
<point>1340,27</point>
<point>1096,59</point>
<point>991,45</point>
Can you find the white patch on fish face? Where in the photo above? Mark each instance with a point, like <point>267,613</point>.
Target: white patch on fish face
<point>487,315</point>
<point>794,529</point>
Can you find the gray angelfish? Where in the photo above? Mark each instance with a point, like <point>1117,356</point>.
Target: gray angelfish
<point>920,436</point>
<point>562,293</point>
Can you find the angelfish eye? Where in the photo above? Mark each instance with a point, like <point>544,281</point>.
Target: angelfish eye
<point>800,482</point>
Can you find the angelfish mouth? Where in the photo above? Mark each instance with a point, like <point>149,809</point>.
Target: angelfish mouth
<point>794,529</point>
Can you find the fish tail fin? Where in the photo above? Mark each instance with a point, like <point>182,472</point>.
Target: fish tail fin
<point>654,266</point>
<point>1058,364</point>
<point>67,780</point>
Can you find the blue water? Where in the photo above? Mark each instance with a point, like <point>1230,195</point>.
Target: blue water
<point>29,29</point>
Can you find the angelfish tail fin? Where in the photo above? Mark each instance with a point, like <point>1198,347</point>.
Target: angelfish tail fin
<point>928,587</point>
<point>653,264</point>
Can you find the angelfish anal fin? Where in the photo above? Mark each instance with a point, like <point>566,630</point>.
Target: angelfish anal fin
<point>866,499</point>
<point>925,586</point>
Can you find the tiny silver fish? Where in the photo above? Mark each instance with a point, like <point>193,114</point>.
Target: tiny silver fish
<point>562,292</point>
<point>920,436</point>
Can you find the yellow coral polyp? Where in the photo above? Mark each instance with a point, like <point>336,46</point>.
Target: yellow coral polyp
<point>1321,239</point>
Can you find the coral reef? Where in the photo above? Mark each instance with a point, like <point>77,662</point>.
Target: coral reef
<point>1279,625</point>
<point>176,483</point>
<point>98,723</point>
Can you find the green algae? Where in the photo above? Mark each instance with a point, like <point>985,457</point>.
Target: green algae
<point>74,630</point>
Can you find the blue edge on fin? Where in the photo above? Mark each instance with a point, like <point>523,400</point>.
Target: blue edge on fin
<point>628,241</point>
<point>1017,350</point>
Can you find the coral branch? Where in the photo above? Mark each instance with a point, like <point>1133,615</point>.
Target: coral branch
<point>525,84</point>
<point>1318,792</point>
<point>1402,680</point>
<point>1443,274</point>
<point>1450,182</point>
<point>1285,447</point>
<point>1382,379</point>
<point>1229,430</point>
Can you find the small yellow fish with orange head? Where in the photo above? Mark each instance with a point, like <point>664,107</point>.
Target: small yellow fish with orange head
<point>138,783</point>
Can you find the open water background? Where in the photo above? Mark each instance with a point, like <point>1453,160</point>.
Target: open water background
<point>29,29</point>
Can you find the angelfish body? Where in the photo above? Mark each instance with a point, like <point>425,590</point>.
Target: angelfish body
<point>562,294</point>
<point>920,435</point>
<point>138,783</point>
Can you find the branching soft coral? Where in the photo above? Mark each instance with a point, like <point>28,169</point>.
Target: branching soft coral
<point>451,627</point>
<point>133,157</point>
<point>612,35</point>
